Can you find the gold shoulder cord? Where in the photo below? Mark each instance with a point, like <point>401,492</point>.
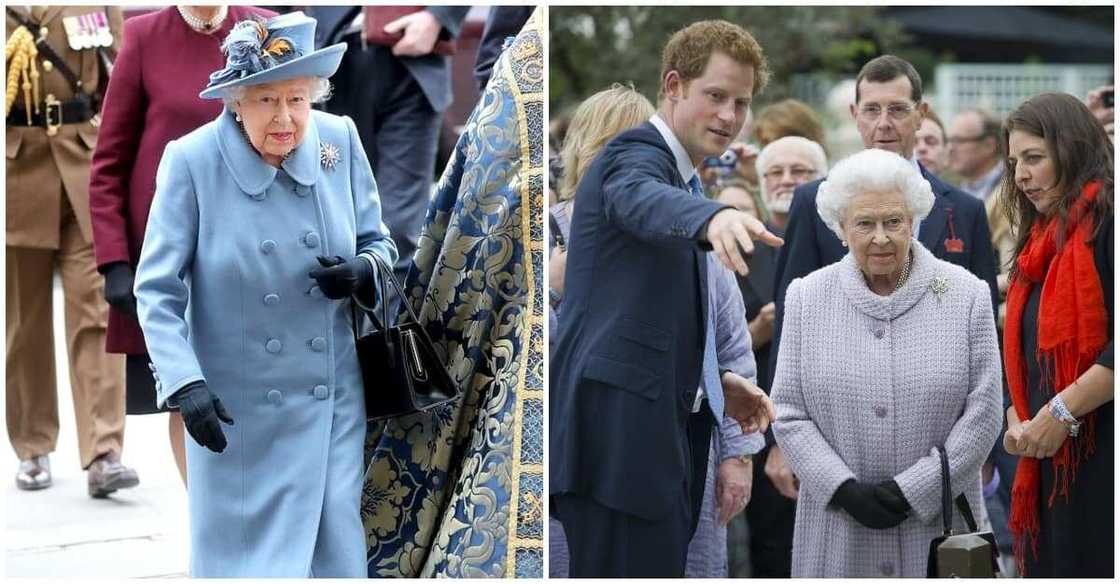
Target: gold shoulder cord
<point>19,55</point>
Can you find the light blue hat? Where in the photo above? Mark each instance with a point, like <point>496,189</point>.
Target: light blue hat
<point>272,50</point>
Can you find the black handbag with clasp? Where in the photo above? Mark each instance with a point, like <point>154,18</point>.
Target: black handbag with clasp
<point>961,555</point>
<point>401,371</point>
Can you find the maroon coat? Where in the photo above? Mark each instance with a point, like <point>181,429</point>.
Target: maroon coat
<point>151,100</point>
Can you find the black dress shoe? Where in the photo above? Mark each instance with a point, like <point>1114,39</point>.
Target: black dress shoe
<point>107,475</point>
<point>34,473</point>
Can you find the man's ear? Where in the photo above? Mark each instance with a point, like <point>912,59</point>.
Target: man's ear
<point>674,87</point>
<point>923,108</point>
<point>852,110</point>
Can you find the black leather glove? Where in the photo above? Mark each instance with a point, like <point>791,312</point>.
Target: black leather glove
<point>873,506</point>
<point>202,411</point>
<point>890,495</point>
<point>339,278</point>
<point>118,288</point>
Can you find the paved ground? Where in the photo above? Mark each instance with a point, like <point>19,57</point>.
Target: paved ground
<point>61,532</point>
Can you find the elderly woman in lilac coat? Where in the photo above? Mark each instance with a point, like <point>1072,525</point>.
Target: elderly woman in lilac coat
<point>885,356</point>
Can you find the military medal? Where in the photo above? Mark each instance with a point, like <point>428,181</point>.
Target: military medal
<point>91,30</point>
<point>85,33</point>
<point>73,34</point>
<point>104,35</point>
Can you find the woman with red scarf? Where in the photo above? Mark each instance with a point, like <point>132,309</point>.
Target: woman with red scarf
<point>1058,344</point>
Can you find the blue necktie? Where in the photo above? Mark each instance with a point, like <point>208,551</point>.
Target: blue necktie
<point>709,376</point>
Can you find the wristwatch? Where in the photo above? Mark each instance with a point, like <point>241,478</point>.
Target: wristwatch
<point>1061,413</point>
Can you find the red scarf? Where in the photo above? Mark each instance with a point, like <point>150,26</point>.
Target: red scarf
<point>1072,331</point>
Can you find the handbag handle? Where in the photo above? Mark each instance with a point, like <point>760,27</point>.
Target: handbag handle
<point>947,498</point>
<point>385,277</point>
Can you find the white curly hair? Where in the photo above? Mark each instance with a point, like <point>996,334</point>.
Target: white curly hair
<point>872,170</point>
<point>320,92</point>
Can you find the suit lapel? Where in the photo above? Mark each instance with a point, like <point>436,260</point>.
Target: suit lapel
<point>932,233</point>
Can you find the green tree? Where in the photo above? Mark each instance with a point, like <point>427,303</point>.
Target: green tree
<point>592,47</point>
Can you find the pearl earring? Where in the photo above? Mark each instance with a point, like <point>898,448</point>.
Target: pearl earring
<point>237,117</point>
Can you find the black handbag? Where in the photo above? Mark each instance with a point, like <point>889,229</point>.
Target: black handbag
<point>401,371</point>
<point>961,555</point>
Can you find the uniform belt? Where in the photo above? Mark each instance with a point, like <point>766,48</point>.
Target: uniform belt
<point>74,111</point>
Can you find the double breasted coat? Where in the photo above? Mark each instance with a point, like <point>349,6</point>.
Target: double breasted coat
<point>224,296</point>
<point>867,387</point>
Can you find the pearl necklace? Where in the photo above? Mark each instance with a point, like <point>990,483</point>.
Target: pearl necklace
<point>905,271</point>
<point>204,26</point>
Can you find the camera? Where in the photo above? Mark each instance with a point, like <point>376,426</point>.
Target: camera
<point>1108,98</point>
<point>725,162</point>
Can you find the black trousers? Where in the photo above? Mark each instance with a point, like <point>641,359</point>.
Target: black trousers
<point>700,426</point>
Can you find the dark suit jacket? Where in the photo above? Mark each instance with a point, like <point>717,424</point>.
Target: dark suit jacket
<point>757,288</point>
<point>502,23</point>
<point>627,362</point>
<point>810,244</point>
<point>432,72</point>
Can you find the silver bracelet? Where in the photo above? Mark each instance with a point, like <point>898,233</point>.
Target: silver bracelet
<point>1061,413</point>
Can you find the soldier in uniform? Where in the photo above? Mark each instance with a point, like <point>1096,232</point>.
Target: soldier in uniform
<point>58,59</point>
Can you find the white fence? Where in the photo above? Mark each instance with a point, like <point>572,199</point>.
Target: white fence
<point>1001,88</point>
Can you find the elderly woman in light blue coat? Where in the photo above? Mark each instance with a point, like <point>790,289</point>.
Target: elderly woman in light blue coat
<point>263,222</point>
<point>885,356</point>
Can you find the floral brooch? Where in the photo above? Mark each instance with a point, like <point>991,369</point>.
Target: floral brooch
<point>939,286</point>
<point>328,155</point>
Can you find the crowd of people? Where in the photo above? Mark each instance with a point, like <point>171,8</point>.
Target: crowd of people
<point>948,289</point>
<point>217,220</point>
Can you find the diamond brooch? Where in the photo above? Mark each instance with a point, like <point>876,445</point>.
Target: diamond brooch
<point>939,286</point>
<point>328,155</point>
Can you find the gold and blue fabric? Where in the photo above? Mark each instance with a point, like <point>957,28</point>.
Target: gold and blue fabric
<point>458,491</point>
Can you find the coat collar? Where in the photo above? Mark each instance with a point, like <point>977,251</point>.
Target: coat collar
<point>923,270</point>
<point>252,174</point>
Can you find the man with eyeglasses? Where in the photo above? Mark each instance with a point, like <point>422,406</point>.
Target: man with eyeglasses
<point>975,153</point>
<point>888,111</point>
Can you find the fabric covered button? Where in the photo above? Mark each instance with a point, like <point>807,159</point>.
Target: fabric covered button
<point>272,299</point>
<point>311,239</point>
<point>320,392</point>
<point>303,190</point>
<point>318,344</point>
<point>268,246</point>
<point>273,346</point>
<point>887,568</point>
<point>879,332</point>
<point>275,397</point>
<point>881,411</point>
